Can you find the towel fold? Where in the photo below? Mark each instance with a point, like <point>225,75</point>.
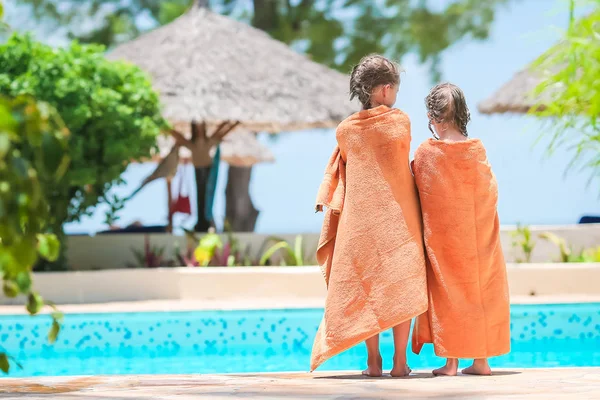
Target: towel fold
<point>371,244</point>
<point>331,195</point>
<point>469,312</point>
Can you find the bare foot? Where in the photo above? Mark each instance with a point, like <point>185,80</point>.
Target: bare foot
<point>450,369</point>
<point>401,368</point>
<point>374,368</point>
<point>479,367</point>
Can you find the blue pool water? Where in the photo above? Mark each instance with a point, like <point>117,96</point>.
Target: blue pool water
<point>263,341</point>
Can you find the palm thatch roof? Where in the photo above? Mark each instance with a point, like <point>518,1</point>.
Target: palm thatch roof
<point>515,96</point>
<point>518,94</point>
<point>240,149</point>
<point>210,68</point>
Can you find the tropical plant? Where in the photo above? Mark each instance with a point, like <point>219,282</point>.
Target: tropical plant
<point>150,257</point>
<point>591,255</point>
<point>109,107</point>
<point>223,257</point>
<point>522,240</point>
<point>222,254</point>
<point>186,257</point>
<point>569,94</point>
<point>33,159</point>
<point>207,247</point>
<point>290,255</point>
<point>566,251</point>
<point>567,254</point>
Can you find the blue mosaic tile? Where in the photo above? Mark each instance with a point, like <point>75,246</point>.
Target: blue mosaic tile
<point>240,334</point>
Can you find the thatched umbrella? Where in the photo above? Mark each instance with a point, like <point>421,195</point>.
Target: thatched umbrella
<point>517,95</point>
<point>218,74</point>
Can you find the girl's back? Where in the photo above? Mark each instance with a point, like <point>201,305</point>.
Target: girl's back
<point>469,313</point>
<point>371,247</point>
<point>375,144</point>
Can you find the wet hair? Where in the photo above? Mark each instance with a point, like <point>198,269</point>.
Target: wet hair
<point>372,71</point>
<point>446,103</point>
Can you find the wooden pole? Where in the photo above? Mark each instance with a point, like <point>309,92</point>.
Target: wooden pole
<point>169,208</point>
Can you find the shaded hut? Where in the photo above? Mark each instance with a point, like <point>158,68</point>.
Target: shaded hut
<point>217,75</point>
<point>518,95</point>
<point>515,96</point>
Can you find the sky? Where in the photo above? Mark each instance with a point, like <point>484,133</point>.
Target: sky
<point>534,188</point>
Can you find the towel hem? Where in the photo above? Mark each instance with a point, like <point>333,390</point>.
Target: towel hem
<point>367,336</point>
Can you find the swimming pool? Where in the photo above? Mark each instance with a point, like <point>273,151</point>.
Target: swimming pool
<point>263,341</point>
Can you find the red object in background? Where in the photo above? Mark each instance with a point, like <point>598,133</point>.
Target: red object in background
<point>181,204</point>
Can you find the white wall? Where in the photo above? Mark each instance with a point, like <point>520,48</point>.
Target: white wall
<point>271,285</point>
<point>115,251</point>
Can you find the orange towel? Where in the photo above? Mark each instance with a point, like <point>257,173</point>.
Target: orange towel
<point>371,245</point>
<point>469,315</point>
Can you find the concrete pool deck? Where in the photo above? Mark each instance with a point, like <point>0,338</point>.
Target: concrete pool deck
<point>249,304</point>
<point>563,383</point>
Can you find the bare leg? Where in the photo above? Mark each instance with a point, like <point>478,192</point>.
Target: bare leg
<point>450,369</point>
<point>480,367</point>
<point>401,333</point>
<point>374,360</point>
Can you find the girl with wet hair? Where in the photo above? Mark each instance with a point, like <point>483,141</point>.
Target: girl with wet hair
<point>371,245</point>
<point>447,111</point>
<point>468,315</point>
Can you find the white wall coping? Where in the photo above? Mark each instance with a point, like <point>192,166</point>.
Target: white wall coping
<point>287,285</point>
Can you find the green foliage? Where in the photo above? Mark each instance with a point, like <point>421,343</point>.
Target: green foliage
<point>151,257</point>
<point>33,159</point>
<point>336,33</point>
<point>566,252</point>
<point>570,94</point>
<point>522,239</point>
<point>567,255</point>
<point>110,109</point>
<point>291,255</point>
<point>591,255</point>
<point>3,25</point>
<point>222,253</point>
<point>207,246</point>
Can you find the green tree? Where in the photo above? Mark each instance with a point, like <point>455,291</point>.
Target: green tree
<point>334,32</point>
<point>570,94</point>
<point>109,107</point>
<point>33,158</point>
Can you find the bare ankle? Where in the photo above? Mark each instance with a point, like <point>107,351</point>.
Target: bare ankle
<point>375,359</point>
<point>452,362</point>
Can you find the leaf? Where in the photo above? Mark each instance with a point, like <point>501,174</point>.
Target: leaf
<point>272,250</point>
<point>24,252</point>
<point>298,253</point>
<point>52,152</point>
<point>35,302</point>
<point>202,255</point>
<point>48,246</point>
<point>23,281</point>
<point>4,144</point>
<point>10,288</point>
<point>231,261</point>
<point>54,331</point>
<point>4,365</point>
<point>565,252</point>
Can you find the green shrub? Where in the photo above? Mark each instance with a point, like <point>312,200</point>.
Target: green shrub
<point>109,107</point>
